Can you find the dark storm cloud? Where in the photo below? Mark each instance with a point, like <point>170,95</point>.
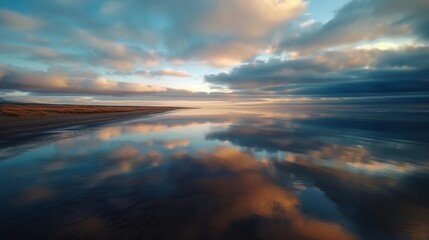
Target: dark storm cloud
<point>335,73</point>
<point>361,20</point>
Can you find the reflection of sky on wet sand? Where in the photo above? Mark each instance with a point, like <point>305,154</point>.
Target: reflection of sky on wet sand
<point>235,175</point>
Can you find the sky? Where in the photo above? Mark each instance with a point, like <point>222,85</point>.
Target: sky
<point>199,52</point>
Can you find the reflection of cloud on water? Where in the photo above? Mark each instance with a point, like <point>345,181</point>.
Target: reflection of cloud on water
<point>140,178</point>
<point>35,193</point>
<point>168,144</point>
<point>108,133</point>
<point>373,166</point>
<point>352,158</point>
<point>341,153</point>
<point>124,153</point>
<point>247,193</point>
<point>125,159</point>
<point>209,194</point>
<point>111,132</point>
<point>394,206</point>
<point>183,142</point>
<point>55,165</point>
<point>92,227</point>
<point>228,158</point>
<point>366,178</point>
<point>315,143</point>
<point>145,128</point>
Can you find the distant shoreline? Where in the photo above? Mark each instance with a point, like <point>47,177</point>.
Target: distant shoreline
<point>27,118</point>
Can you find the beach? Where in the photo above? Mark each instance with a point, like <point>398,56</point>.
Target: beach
<point>17,119</point>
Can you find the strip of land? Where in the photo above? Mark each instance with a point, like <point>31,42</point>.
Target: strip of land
<point>17,119</point>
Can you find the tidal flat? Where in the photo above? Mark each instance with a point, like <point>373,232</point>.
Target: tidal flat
<point>223,174</point>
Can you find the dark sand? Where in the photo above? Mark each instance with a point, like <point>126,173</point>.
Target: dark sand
<point>18,119</point>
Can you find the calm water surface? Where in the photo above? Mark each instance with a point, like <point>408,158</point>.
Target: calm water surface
<point>212,174</point>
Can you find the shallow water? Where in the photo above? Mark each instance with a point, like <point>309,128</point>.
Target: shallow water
<point>302,173</point>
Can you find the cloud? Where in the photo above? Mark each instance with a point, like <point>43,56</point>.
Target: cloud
<point>362,20</point>
<point>296,70</point>
<point>39,54</point>
<point>163,72</point>
<point>171,72</point>
<point>133,37</point>
<point>14,20</point>
<point>233,31</point>
<point>223,33</point>
<point>110,7</point>
<point>113,54</point>
<point>59,83</point>
<point>344,72</point>
<point>228,53</point>
<point>123,35</point>
<point>249,18</point>
<point>91,52</point>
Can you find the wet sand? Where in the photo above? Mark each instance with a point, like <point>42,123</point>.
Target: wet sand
<point>19,119</point>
